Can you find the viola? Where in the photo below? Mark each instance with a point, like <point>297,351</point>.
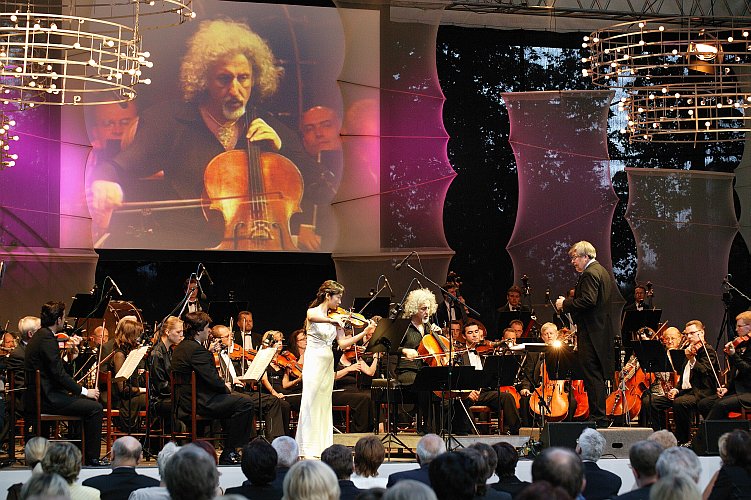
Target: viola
<point>348,317</point>
<point>354,353</point>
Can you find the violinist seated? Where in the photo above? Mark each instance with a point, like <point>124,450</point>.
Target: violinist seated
<point>129,395</point>
<point>698,380</point>
<point>159,364</point>
<point>278,375</point>
<point>475,344</point>
<point>737,393</point>
<point>654,416</point>
<point>239,360</point>
<point>354,372</point>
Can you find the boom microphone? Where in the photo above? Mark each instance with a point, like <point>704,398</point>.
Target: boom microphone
<point>405,259</point>
<point>114,285</point>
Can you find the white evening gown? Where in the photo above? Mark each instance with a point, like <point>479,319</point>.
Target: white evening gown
<point>315,428</point>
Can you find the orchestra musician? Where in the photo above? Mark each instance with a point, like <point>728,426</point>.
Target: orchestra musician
<point>532,368</point>
<point>641,301</point>
<point>698,379</point>
<point>27,326</point>
<point>277,377</point>
<point>196,298</point>
<point>591,314</point>
<point>450,310</point>
<point>737,394</point>
<point>244,334</point>
<point>488,397</point>
<point>160,362</point>
<point>128,395</point>
<point>655,400</point>
<point>455,332</point>
<point>60,393</point>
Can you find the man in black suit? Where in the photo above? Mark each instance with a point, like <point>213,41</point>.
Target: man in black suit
<point>60,394</point>
<point>214,397</point>
<point>126,454</point>
<point>449,310</point>
<point>259,466</point>
<point>590,309</point>
<point>643,456</point>
<point>601,484</point>
<point>428,448</point>
<point>339,458</point>
<point>27,326</point>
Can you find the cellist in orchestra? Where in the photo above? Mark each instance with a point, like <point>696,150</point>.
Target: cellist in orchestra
<point>60,393</point>
<point>737,393</point>
<point>655,401</point>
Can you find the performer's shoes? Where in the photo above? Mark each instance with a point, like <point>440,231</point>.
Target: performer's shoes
<point>229,457</point>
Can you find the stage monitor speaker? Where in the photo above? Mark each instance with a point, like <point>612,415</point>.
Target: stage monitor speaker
<point>710,432</point>
<point>618,440</point>
<point>563,433</point>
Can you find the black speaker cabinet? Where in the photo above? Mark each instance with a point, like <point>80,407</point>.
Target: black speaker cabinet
<point>563,433</point>
<point>710,432</point>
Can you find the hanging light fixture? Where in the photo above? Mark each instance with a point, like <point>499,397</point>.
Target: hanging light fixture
<point>7,157</point>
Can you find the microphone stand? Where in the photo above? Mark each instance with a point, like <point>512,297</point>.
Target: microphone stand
<point>373,297</point>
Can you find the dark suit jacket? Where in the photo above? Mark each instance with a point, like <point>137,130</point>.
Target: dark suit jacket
<point>590,310</point>
<point>740,371</point>
<point>637,494</point>
<point>420,474</point>
<point>190,356</point>
<point>280,473</point>
<point>348,490</point>
<point>120,483</point>
<point>601,483</point>
<point>265,492</point>
<point>15,362</point>
<point>732,482</point>
<point>703,383</point>
<point>491,493</point>
<point>43,354</point>
<point>442,313</point>
<point>511,485</point>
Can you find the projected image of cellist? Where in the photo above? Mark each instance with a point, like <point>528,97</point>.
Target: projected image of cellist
<point>230,176</point>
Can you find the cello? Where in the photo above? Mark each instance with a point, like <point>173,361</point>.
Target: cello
<point>555,396</point>
<point>256,193</point>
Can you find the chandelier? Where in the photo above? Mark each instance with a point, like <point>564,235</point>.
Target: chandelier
<point>684,79</point>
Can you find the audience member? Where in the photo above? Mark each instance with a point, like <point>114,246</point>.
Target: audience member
<point>543,490</point>
<point>45,486</point>
<point>428,448</point>
<point>158,492</point>
<point>601,483</point>
<point>409,489</point>
<point>733,479</point>
<point>505,469</point>
<point>678,459</point>
<point>339,458</point>
<point>477,466</point>
<point>676,486</point>
<point>191,474</point>
<point>453,477</point>
<point>259,466</point>
<point>65,459</point>
<point>34,451</point>
<point>287,453</point>
<point>377,494</point>
<point>666,438</point>
<point>369,455</point>
<point>118,485</point>
<point>560,467</point>
<point>643,457</point>
<point>310,480</point>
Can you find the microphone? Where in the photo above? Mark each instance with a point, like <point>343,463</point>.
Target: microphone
<point>206,273</point>
<point>114,285</point>
<point>2,271</point>
<point>547,296</point>
<point>385,279</point>
<point>405,259</point>
<point>371,292</point>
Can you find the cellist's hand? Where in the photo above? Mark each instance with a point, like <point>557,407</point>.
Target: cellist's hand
<point>721,391</point>
<point>410,353</point>
<point>104,197</point>
<point>259,130</point>
<point>672,393</point>
<point>92,394</point>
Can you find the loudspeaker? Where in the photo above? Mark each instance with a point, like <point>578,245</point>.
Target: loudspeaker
<point>618,440</point>
<point>563,433</point>
<point>710,432</point>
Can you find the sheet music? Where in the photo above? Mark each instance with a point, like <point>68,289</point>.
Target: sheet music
<point>131,363</point>
<point>259,364</point>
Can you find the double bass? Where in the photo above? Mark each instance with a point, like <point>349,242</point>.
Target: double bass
<point>256,193</point>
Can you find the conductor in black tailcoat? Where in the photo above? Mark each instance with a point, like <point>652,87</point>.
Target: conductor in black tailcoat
<point>590,309</point>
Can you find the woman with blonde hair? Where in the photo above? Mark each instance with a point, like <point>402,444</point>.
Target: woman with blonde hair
<point>310,480</point>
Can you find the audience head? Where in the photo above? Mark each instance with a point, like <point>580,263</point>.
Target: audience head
<point>643,456</point>
<point>191,474</point>
<point>490,457</point>
<point>259,462</point>
<point>679,459</point>
<point>409,489</point>
<point>543,490</point>
<point>590,445</point>
<point>339,458</point>
<point>369,455</point>
<point>735,448</point>
<point>508,457</point>
<point>676,486</point>
<point>477,467</point>
<point>208,448</point>
<point>287,451</point>
<point>666,438</point>
<point>310,480</point>
<point>453,476</point>
<point>47,486</point>
<point>63,459</point>
<point>373,494</point>
<point>165,456</point>
<point>560,467</point>
<point>35,450</point>
<point>429,447</point>
<point>126,452</point>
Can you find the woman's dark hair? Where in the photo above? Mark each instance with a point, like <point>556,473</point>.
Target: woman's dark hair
<point>259,462</point>
<point>328,287</point>
<point>508,457</point>
<point>369,455</point>
<point>292,347</point>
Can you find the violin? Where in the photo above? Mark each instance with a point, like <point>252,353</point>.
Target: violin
<point>738,341</point>
<point>287,360</point>
<point>348,317</point>
<point>239,353</point>
<point>353,353</point>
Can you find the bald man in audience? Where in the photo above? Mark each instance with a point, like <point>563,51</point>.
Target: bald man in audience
<point>118,485</point>
<point>428,448</point>
<point>643,456</point>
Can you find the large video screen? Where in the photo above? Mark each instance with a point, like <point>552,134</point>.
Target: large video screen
<point>235,144</point>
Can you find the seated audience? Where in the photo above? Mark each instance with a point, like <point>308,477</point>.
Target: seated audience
<point>158,492</point>
<point>259,466</point>
<point>428,448</point>
<point>126,454</point>
<point>339,458</point>
<point>34,451</point>
<point>191,474</point>
<point>678,459</point>
<point>377,494</point>
<point>733,479</point>
<point>643,457</point>
<point>560,467</point>
<point>477,466</point>
<point>676,486</point>
<point>65,459</point>
<point>287,453</point>
<point>666,438</point>
<point>369,455</point>
<point>505,469</point>
<point>44,486</point>
<point>601,483</point>
<point>543,490</point>
<point>310,480</point>
<point>452,477</point>
<point>409,489</point>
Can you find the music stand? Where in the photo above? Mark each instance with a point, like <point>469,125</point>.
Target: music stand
<point>222,310</point>
<point>378,306</point>
<point>501,370</point>
<point>506,317</point>
<point>634,320</point>
<point>653,358</point>
<point>387,338</point>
